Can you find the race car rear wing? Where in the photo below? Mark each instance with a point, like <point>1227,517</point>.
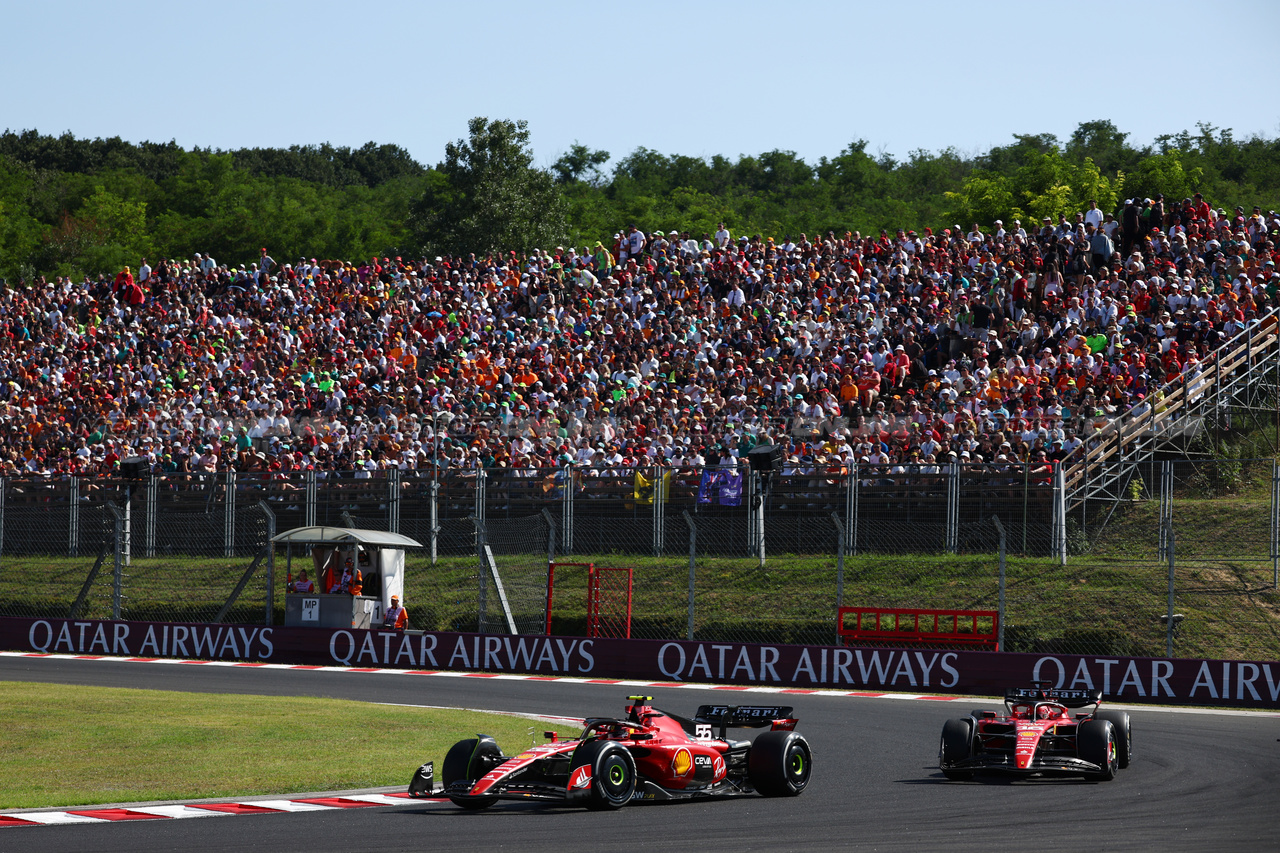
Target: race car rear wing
<point>745,717</point>
<point>1066,697</point>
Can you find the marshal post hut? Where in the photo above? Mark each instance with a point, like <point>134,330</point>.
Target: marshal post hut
<point>373,563</point>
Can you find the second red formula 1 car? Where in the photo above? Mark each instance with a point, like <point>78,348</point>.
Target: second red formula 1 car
<point>647,755</point>
<point>1039,735</point>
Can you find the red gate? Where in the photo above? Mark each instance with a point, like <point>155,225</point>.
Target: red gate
<point>608,599</point>
<point>609,602</point>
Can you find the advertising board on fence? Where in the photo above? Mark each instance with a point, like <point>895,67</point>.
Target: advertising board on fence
<point>1251,684</point>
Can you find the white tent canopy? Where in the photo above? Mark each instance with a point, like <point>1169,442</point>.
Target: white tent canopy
<point>322,535</point>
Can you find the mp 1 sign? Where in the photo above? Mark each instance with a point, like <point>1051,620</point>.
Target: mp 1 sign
<point>1251,684</point>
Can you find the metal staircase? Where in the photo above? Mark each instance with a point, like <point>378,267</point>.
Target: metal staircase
<point>1242,373</point>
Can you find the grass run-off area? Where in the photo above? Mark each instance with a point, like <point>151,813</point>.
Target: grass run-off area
<point>74,745</point>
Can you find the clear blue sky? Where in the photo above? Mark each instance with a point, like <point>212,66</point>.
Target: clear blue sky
<point>690,78</point>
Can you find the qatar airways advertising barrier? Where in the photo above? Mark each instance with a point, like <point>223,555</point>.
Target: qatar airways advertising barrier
<point>1251,684</point>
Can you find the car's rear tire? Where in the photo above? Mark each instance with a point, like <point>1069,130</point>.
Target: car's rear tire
<point>1124,734</point>
<point>613,774</point>
<point>469,760</point>
<point>779,764</point>
<point>956,746</point>
<point>1096,743</point>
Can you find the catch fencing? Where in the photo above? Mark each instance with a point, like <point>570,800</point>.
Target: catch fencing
<point>1185,564</point>
<point>927,509</point>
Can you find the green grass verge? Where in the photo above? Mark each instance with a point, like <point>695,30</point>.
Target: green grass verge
<point>75,745</point>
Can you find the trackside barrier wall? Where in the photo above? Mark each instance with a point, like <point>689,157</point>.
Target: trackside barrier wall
<point>1166,681</point>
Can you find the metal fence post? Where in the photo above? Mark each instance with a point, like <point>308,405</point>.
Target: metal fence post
<point>952,535</point>
<point>851,509</point>
<point>435,520</point>
<point>482,539</point>
<point>1060,515</point>
<point>480,490</point>
<point>73,517</point>
<point>1275,524</point>
<point>995,519</point>
<point>229,508</point>
<point>117,550</point>
<point>659,512</point>
<point>566,512</point>
<point>693,567</point>
<point>393,500</point>
<point>1169,622</point>
<point>312,497</point>
<point>271,563</point>
<point>755,518</point>
<point>151,501</point>
<point>840,534</point>
<point>1165,524</point>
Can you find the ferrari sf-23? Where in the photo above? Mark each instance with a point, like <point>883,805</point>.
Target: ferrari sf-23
<point>1039,735</point>
<point>648,755</point>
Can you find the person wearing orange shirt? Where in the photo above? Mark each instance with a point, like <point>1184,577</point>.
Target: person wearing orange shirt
<point>396,617</point>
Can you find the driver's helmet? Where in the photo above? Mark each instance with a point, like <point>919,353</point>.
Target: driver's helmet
<point>1044,712</point>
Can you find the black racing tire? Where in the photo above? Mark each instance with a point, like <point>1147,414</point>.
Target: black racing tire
<point>1124,733</point>
<point>1096,743</point>
<point>956,746</point>
<point>613,774</point>
<point>779,764</point>
<point>468,760</point>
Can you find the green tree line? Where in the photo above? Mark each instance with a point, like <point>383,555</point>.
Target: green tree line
<point>85,206</point>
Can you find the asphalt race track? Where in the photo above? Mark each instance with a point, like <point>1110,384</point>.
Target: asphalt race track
<point>1198,781</point>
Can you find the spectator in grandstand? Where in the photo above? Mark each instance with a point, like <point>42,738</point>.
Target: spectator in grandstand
<point>512,361</point>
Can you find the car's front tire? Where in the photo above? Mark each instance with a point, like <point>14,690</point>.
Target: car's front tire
<point>1096,743</point>
<point>956,746</point>
<point>469,760</point>
<point>779,764</point>
<point>1124,734</point>
<point>613,774</point>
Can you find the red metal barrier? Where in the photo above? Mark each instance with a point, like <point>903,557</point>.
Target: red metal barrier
<point>608,599</point>
<point>899,625</point>
<point>609,602</point>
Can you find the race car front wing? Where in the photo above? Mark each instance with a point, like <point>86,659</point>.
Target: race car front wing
<point>1006,763</point>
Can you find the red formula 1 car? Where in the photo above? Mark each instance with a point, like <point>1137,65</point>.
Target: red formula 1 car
<point>648,755</point>
<point>1039,735</point>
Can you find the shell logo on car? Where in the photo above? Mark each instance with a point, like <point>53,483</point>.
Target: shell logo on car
<point>681,762</point>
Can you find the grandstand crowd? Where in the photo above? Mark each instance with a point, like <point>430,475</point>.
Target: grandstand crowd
<point>1008,345</point>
